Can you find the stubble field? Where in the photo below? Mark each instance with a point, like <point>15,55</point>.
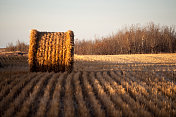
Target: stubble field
<point>99,86</point>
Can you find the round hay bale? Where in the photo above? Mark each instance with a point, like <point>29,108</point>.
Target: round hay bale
<point>51,51</point>
<point>33,50</point>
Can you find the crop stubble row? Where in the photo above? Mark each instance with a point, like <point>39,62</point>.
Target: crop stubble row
<point>111,93</point>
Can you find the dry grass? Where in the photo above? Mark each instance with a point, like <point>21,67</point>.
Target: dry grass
<point>155,62</point>
<point>51,51</point>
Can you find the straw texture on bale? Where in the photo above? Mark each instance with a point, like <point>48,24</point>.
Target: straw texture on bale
<point>51,51</point>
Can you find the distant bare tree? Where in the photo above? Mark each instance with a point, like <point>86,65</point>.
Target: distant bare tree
<point>135,39</point>
<point>20,46</point>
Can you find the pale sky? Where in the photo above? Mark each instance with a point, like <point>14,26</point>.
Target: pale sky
<point>87,18</point>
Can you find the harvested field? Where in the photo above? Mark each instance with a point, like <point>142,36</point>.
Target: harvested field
<point>120,85</point>
<point>134,62</point>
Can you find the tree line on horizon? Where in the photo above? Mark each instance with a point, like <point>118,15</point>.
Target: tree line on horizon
<point>19,46</point>
<point>135,39</point>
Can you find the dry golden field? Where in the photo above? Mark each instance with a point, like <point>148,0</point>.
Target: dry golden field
<point>99,86</point>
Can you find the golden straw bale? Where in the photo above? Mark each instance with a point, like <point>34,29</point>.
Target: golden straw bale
<point>51,51</point>
<point>33,50</point>
<point>69,50</point>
